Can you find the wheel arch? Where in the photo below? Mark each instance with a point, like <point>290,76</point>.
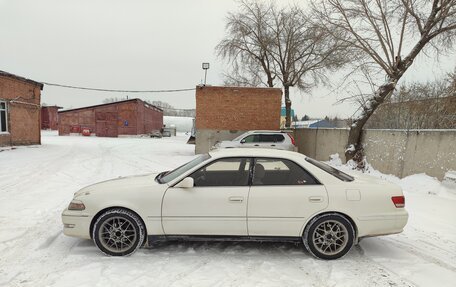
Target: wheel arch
<point>313,218</point>
<point>99,213</point>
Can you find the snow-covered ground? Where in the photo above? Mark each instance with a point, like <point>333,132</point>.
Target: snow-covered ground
<point>36,184</point>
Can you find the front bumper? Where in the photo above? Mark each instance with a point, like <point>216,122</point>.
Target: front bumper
<point>76,224</point>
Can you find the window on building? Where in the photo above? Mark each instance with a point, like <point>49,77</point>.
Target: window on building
<point>3,118</point>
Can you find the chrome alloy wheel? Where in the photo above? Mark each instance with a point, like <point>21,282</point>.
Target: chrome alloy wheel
<point>330,237</point>
<point>117,234</point>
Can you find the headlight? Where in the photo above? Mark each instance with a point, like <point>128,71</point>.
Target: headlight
<point>76,205</point>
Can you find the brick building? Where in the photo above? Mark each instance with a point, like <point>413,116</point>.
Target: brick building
<point>49,117</point>
<point>129,117</point>
<point>19,110</point>
<point>222,113</point>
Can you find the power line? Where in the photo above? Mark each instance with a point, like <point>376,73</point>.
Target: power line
<point>117,91</point>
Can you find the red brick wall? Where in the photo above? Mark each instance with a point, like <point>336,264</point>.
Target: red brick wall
<point>73,121</point>
<point>23,107</point>
<point>238,108</point>
<point>152,118</point>
<point>132,118</point>
<point>49,118</point>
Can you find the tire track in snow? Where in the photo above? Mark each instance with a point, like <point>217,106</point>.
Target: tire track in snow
<point>422,253</point>
<point>376,272</point>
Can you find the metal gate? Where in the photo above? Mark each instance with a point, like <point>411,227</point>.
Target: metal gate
<point>106,124</point>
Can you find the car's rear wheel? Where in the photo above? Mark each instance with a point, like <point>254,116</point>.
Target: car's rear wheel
<point>118,232</point>
<point>329,236</point>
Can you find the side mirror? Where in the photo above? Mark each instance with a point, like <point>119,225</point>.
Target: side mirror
<point>187,182</point>
<point>242,141</point>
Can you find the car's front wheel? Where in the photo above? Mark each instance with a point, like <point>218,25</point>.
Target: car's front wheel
<point>118,232</point>
<point>329,236</point>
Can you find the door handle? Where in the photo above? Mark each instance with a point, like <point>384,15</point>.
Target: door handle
<point>256,145</point>
<point>236,199</point>
<point>315,198</point>
<point>273,145</point>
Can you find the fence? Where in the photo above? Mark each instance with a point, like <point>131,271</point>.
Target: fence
<point>397,152</point>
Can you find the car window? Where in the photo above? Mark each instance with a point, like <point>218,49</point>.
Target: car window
<point>238,138</point>
<point>331,170</point>
<point>170,175</point>
<point>279,138</point>
<point>267,138</point>
<point>252,139</point>
<point>223,172</point>
<point>272,171</point>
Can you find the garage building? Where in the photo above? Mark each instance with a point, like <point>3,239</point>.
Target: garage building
<point>129,117</point>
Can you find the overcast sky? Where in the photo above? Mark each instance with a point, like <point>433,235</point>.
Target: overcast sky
<point>137,45</point>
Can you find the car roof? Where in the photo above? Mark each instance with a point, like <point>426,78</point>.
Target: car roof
<point>254,152</point>
<point>266,131</point>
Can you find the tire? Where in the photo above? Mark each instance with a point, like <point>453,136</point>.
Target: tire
<point>118,232</point>
<point>329,236</point>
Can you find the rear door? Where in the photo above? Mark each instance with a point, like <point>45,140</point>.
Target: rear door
<point>282,198</point>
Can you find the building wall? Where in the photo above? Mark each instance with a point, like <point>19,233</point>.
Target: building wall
<point>397,152</point>
<point>223,113</point>
<point>23,111</point>
<point>238,108</point>
<point>49,118</point>
<point>124,118</point>
<point>151,118</point>
<point>205,139</point>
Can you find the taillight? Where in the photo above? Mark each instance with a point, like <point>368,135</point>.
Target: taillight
<point>292,140</point>
<point>399,201</point>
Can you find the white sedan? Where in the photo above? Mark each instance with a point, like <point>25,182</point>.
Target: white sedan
<point>238,194</point>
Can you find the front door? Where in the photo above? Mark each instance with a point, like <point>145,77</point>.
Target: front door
<point>282,198</point>
<point>216,205</point>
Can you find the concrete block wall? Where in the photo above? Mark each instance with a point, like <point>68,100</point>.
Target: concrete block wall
<point>321,143</point>
<point>207,138</point>
<point>397,152</point>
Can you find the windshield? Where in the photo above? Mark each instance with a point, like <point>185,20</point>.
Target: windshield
<point>331,170</point>
<point>168,176</point>
<point>240,137</point>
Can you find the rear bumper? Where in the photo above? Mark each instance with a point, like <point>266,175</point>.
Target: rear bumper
<point>382,224</point>
<point>76,224</point>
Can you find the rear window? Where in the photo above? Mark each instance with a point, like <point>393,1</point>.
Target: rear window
<point>331,170</point>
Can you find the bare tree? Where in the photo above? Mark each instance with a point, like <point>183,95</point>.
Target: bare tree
<point>247,43</point>
<point>265,43</point>
<point>386,37</point>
